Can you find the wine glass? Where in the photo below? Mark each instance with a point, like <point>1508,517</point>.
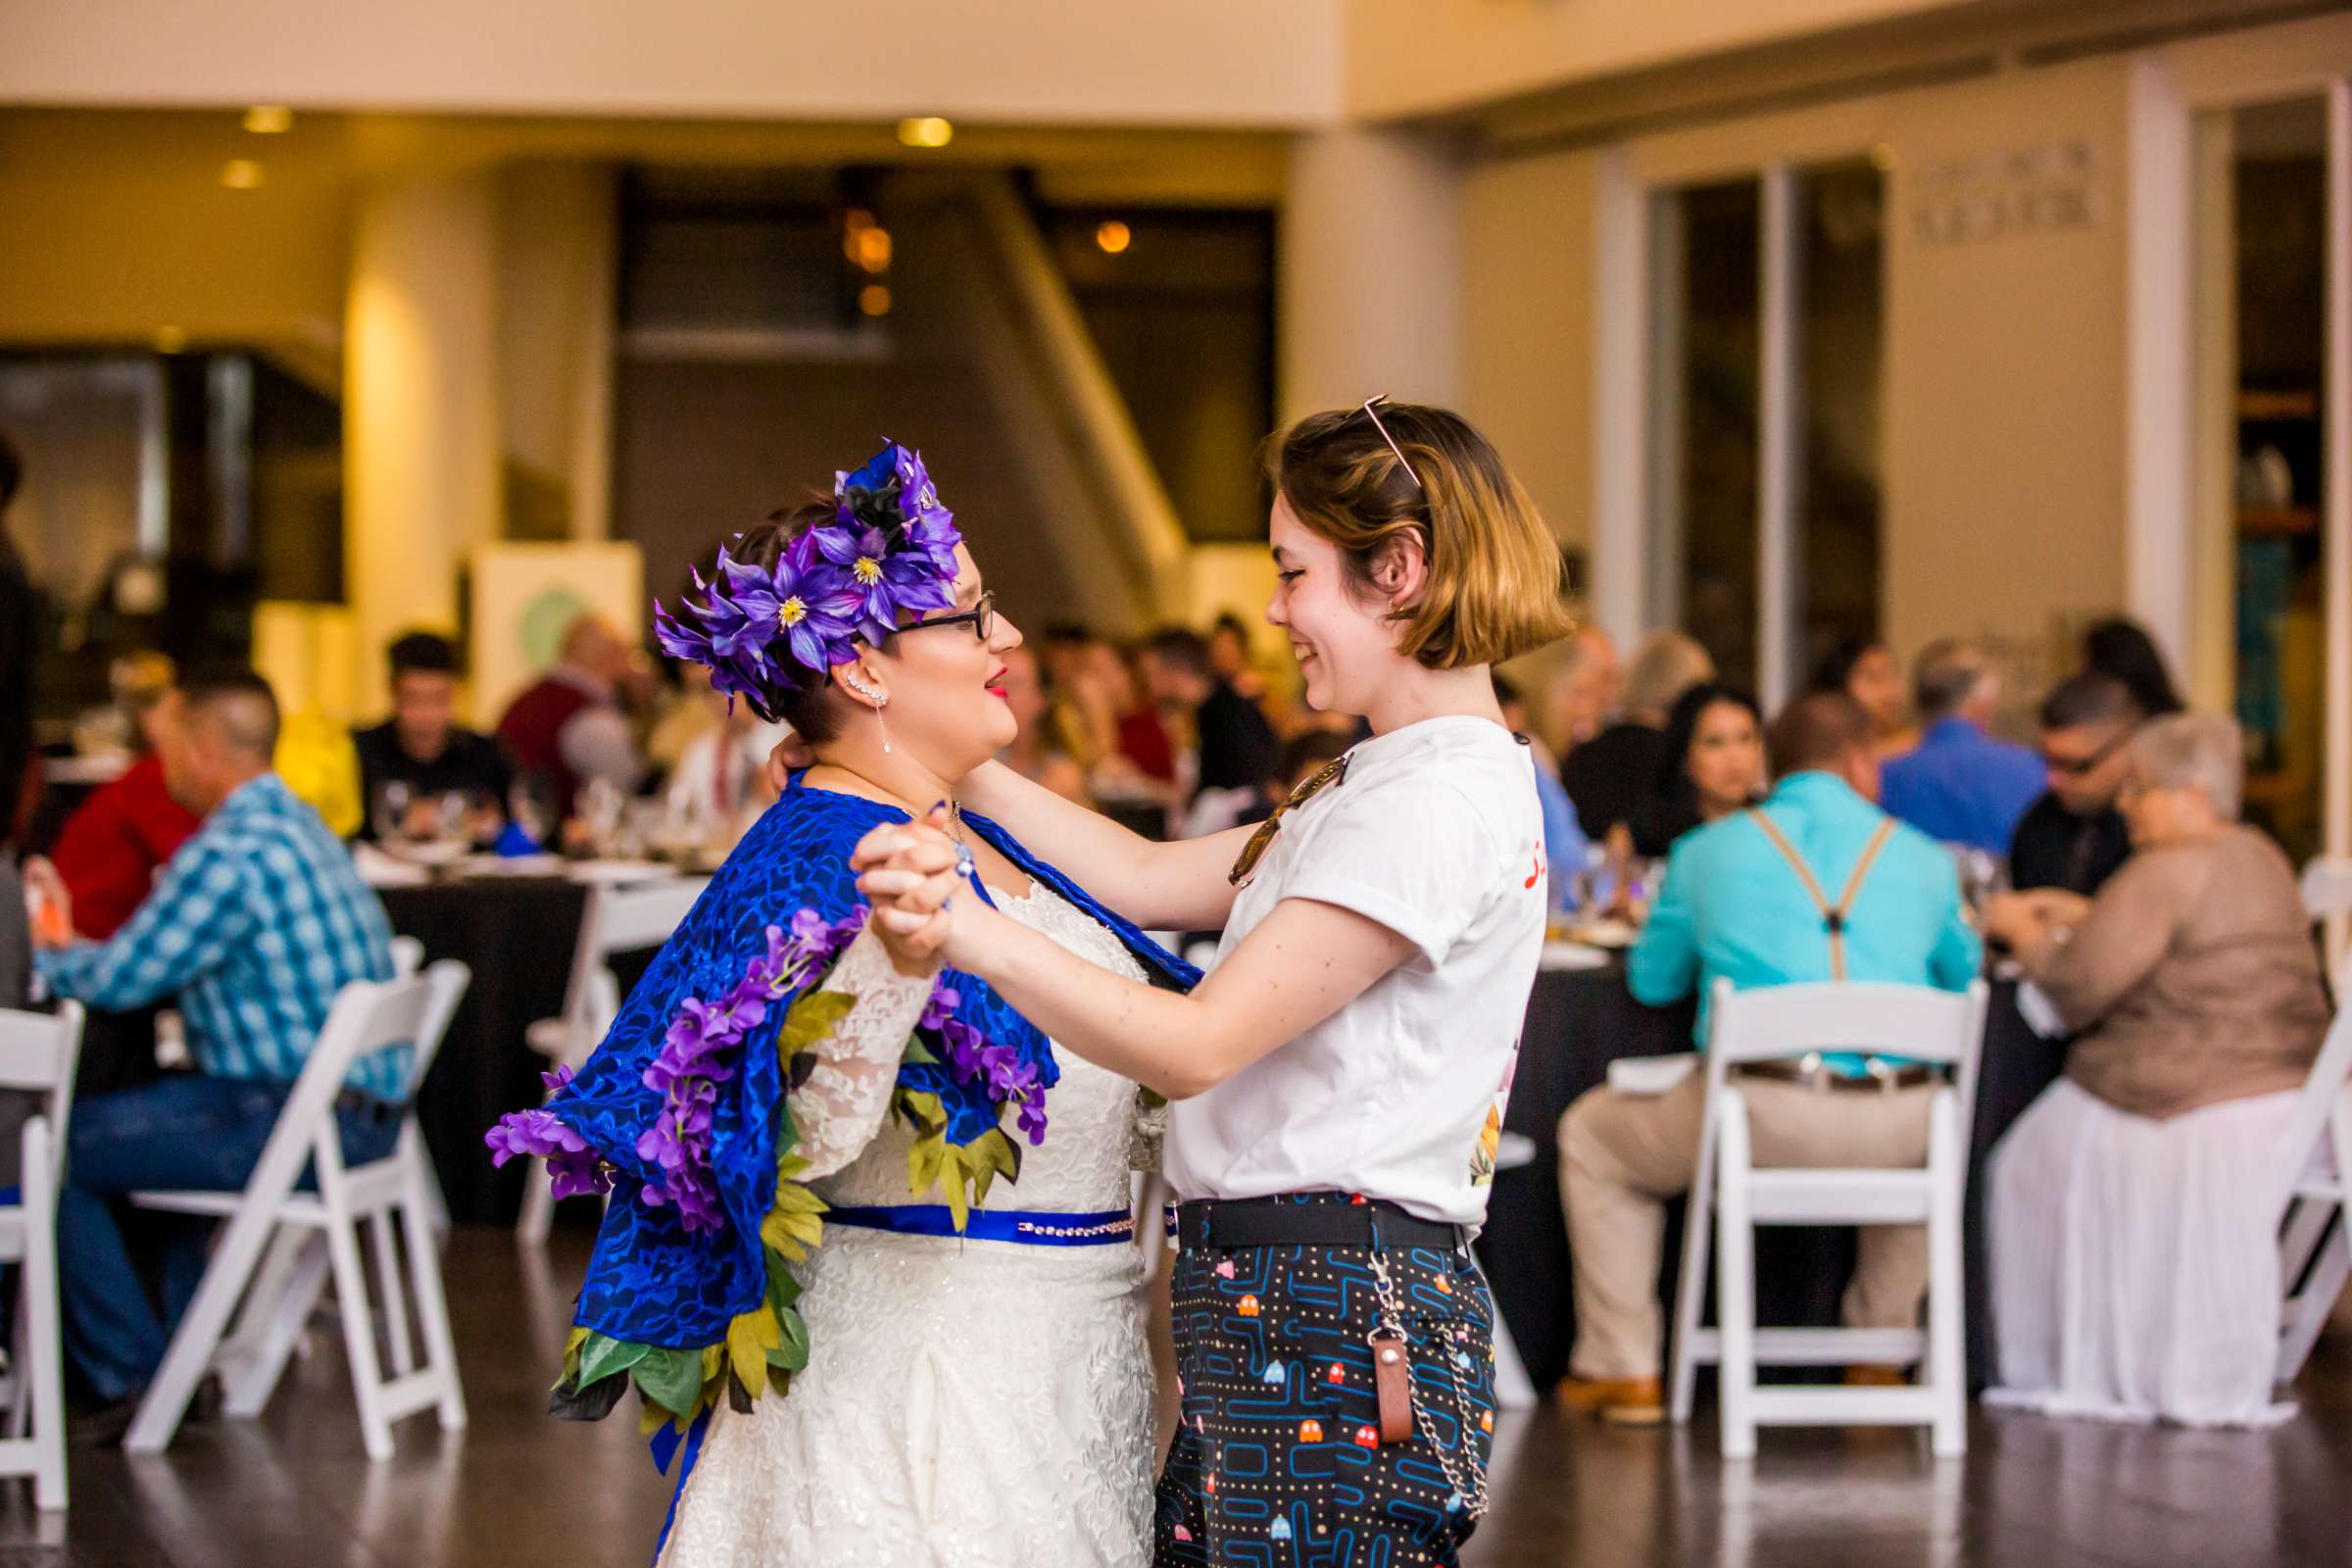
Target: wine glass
<point>388,811</point>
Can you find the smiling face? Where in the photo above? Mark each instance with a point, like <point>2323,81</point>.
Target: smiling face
<point>1346,645</point>
<point>949,705</point>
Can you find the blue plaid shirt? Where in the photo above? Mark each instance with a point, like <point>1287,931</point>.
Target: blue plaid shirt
<point>253,927</point>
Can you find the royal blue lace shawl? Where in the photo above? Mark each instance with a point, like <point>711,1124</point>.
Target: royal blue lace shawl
<point>650,1281</point>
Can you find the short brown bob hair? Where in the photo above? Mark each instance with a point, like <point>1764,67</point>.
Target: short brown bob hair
<point>1495,587</point>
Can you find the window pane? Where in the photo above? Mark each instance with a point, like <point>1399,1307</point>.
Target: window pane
<point>1841,335</point>
<point>1705,425</point>
<point>2277,191</point>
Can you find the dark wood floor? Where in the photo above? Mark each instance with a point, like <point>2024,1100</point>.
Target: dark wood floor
<point>294,1489</point>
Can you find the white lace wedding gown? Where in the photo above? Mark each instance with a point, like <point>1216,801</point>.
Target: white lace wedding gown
<point>967,1404</point>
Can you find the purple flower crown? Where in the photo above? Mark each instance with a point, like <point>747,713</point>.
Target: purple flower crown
<point>764,630</point>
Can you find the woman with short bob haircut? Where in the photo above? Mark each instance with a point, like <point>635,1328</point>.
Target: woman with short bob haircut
<point>1341,1072</point>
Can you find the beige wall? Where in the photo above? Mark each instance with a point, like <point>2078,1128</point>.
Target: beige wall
<point>1527,277</point>
<point>1129,62</point>
<point>1370,271</point>
<point>2002,413</point>
<point>1414,57</point>
<point>2004,402</point>
<point>115,230</point>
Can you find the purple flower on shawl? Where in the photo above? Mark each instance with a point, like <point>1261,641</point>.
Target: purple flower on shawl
<point>572,1166</point>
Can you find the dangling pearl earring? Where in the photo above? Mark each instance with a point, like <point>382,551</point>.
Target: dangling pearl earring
<point>880,702</point>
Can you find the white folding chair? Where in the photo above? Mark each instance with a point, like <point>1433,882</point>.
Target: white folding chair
<point>313,1235</point>
<point>2315,1249</point>
<point>1732,1195</point>
<point>2327,897</point>
<point>408,958</point>
<point>37,1052</point>
<point>617,919</point>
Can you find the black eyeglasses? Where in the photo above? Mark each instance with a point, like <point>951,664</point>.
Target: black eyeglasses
<point>981,617</point>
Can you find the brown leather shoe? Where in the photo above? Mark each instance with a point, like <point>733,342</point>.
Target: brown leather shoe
<point>1876,1377</point>
<point>1621,1402</point>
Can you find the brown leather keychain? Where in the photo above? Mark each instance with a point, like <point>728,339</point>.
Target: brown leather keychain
<point>1393,1379</point>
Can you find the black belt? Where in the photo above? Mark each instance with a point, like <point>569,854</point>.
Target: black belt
<point>1278,1222</point>
<point>1882,1079</point>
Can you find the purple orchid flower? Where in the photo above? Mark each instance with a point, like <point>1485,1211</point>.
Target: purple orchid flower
<point>800,599</point>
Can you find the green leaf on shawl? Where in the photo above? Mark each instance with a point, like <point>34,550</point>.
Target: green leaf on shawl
<point>811,1019</point>
<point>670,1379</point>
<point>602,1356</point>
<point>792,1354</point>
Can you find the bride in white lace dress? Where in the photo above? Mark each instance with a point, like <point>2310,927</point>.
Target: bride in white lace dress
<point>966,1402</point>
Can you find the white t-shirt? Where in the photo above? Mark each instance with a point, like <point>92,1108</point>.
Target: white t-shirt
<point>1437,834</point>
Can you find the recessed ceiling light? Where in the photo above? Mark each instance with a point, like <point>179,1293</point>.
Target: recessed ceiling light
<point>874,300</point>
<point>270,120</point>
<point>1114,236</point>
<point>240,173</point>
<point>926,131</point>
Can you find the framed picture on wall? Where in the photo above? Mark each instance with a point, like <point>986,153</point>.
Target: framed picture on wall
<point>524,595</point>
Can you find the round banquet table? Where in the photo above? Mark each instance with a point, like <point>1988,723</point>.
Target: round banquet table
<point>1578,1022</point>
<point>516,935</point>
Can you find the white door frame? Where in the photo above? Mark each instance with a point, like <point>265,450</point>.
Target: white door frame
<point>1635,568</point>
<point>2170,87</point>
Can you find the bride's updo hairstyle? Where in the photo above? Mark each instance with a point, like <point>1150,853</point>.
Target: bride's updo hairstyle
<point>1495,587</point>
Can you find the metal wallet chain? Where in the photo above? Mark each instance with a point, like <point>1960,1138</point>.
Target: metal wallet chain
<point>1473,1492</point>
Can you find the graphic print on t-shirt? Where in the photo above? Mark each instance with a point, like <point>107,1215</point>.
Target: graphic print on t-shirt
<point>1490,1136</point>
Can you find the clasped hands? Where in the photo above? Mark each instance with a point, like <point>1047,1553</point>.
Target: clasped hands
<point>917,879</point>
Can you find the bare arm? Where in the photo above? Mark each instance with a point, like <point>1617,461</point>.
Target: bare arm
<point>1300,966</point>
<point>1180,886</point>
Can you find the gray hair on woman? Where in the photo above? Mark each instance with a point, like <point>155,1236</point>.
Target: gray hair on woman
<point>1666,665</point>
<point>2201,751</point>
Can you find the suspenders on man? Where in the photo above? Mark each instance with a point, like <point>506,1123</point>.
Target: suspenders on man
<point>1833,916</point>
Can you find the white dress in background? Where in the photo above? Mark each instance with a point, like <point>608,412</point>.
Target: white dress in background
<point>966,1403</point>
<point>2135,1262</point>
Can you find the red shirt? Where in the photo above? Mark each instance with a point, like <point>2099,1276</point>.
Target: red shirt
<point>112,847</point>
<point>1145,741</point>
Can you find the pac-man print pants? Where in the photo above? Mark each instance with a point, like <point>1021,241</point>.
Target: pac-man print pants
<point>1278,1461</point>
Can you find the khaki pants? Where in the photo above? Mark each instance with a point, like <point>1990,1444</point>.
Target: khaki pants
<point>1622,1156</point>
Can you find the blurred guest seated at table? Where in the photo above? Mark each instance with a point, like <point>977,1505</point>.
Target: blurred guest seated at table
<point>720,784</point>
<point>1748,898</point>
<point>1608,774</point>
<point>1229,655</point>
<point>1961,786</point>
<point>1713,766</point>
<point>2134,1207</point>
<point>1565,846</point>
<point>1583,692</point>
<point>1083,726</point>
<point>569,726</point>
<point>111,848</point>
<point>253,928</point>
<point>1236,747</point>
<point>2122,647</point>
<point>2073,838</point>
<point>1140,762</point>
<point>1034,754</point>
<point>421,748</point>
<point>1865,669</point>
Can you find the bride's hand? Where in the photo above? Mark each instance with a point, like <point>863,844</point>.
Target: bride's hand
<point>910,873</point>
